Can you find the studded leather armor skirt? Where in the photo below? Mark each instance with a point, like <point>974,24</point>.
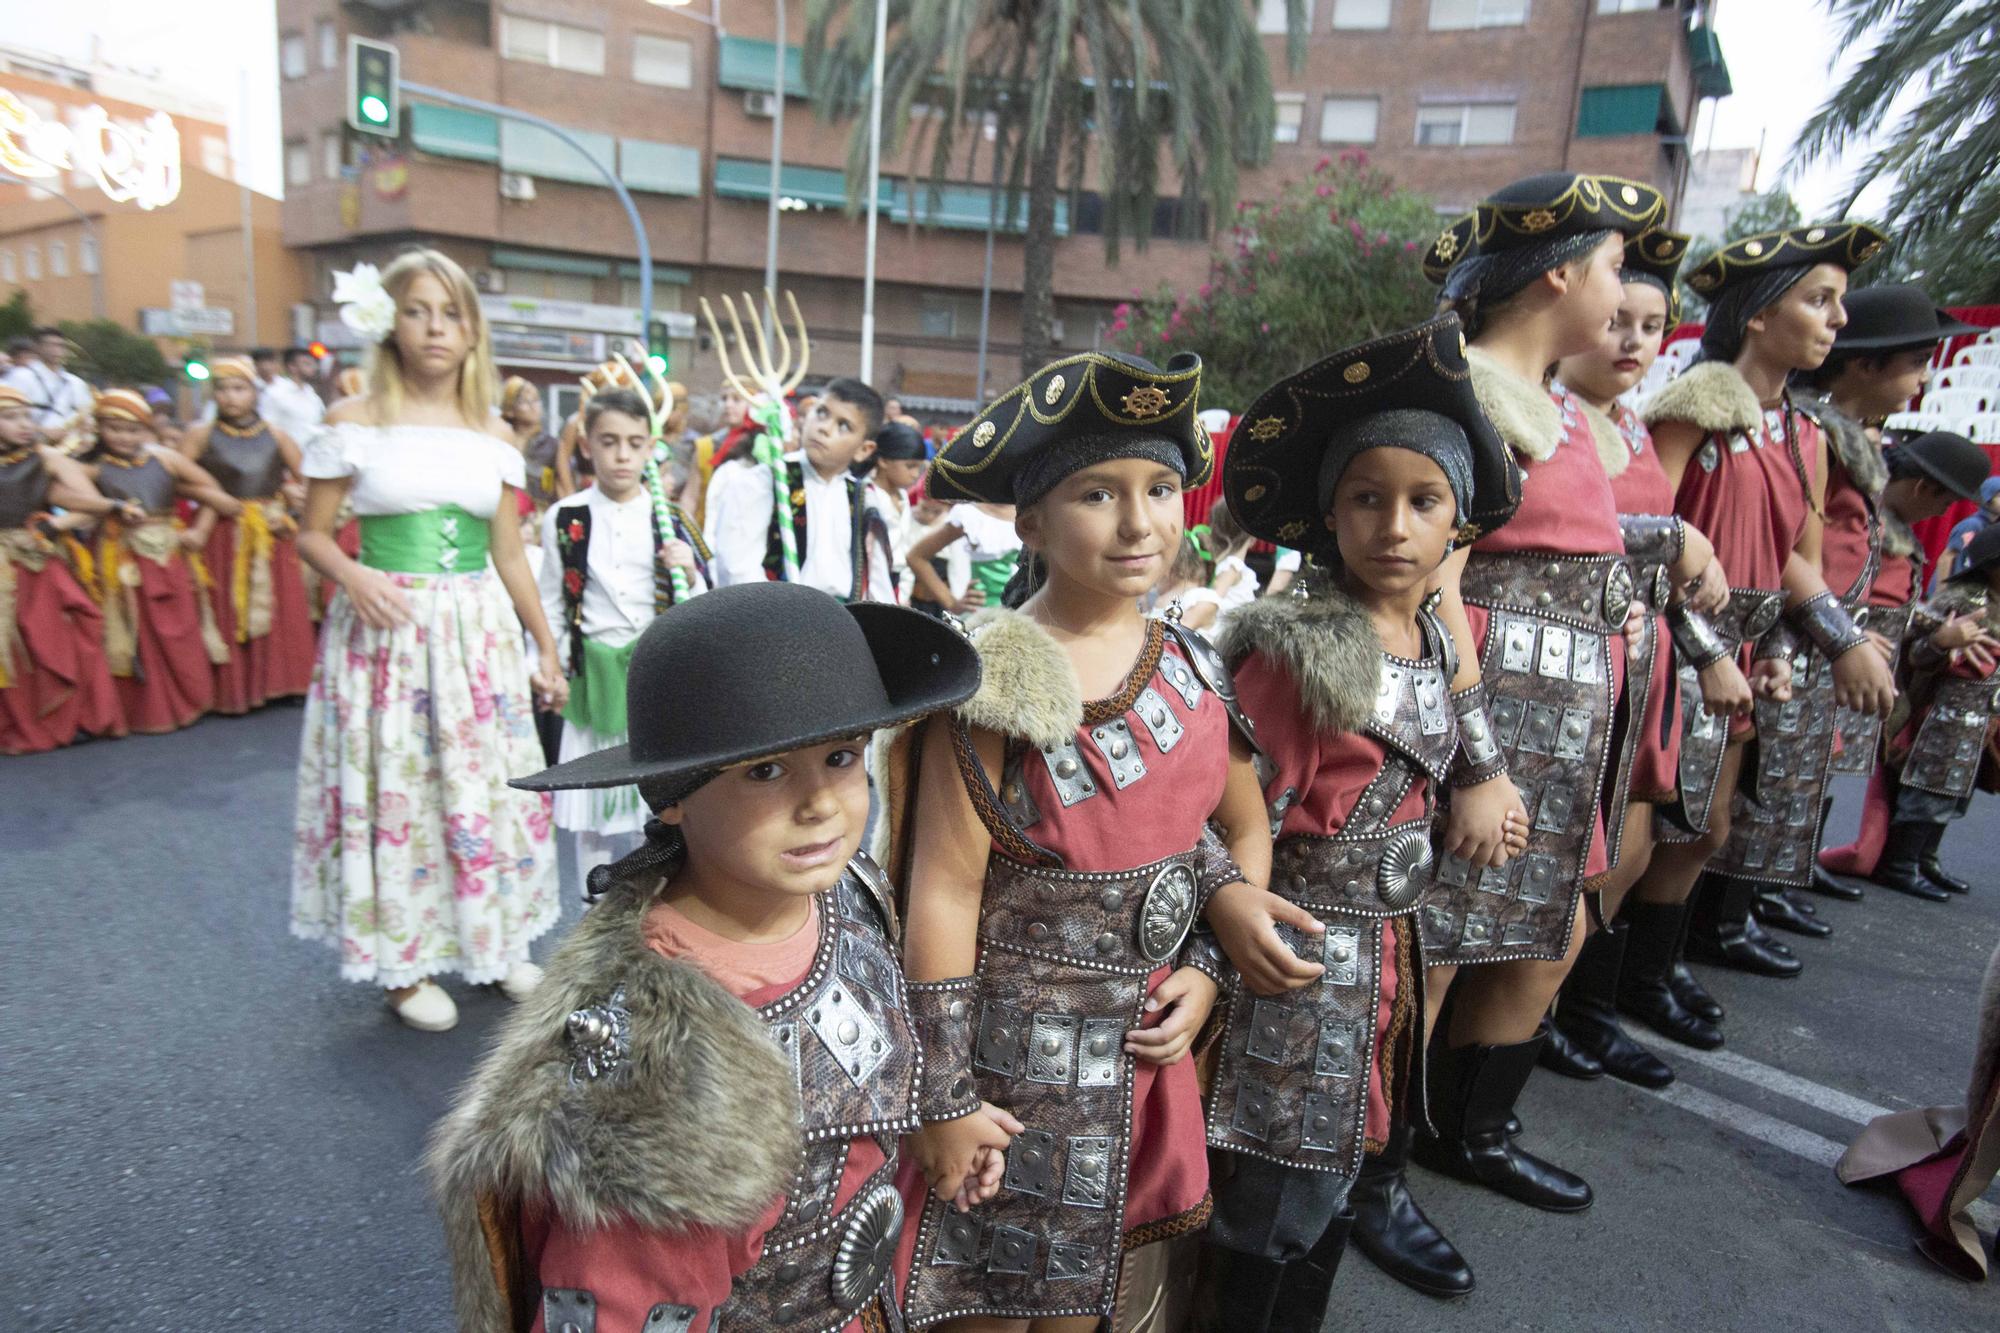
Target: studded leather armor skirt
<point>1950,741</point>
<point>1774,822</point>
<point>1292,1082</point>
<point>1704,737</point>
<point>1065,958</point>
<point>1861,733</point>
<point>1550,694</point>
<point>1642,666</point>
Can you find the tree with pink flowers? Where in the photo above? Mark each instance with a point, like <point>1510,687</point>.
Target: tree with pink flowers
<point>1333,260</point>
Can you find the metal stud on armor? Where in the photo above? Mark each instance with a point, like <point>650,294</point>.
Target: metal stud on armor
<point>1751,614</point>
<point>1861,733</point>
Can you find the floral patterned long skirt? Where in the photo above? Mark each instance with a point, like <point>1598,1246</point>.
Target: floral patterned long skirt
<point>411,855</point>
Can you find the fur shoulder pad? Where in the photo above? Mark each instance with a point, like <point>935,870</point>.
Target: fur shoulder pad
<point>1326,643</point>
<point>1859,457</point>
<point>1711,395</point>
<point>1524,414</point>
<point>1612,451</point>
<point>1029,689</point>
<point>698,1127</point>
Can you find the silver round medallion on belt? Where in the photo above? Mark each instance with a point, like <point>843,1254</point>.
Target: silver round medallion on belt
<point>1166,913</point>
<point>867,1247</point>
<point>1762,616</point>
<point>1399,879</point>
<point>1618,589</point>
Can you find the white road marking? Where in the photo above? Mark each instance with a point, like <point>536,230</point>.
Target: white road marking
<point>1779,1133</point>
<point>1831,1100</point>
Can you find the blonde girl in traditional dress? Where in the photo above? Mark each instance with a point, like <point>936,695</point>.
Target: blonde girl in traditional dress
<point>411,855</point>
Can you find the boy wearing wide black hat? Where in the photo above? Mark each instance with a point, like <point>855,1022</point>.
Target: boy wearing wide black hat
<point>693,1124</point>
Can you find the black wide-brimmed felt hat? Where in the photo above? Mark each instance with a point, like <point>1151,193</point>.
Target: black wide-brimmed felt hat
<point>1892,317</point>
<point>1271,475</point>
<point>1846,244</point>
<point>757,669</point>
<point>1950,460</point>
<point>1094,396</point>
<point>1982,553</point>
<point>1549,207</point>
<point>1655,257</point>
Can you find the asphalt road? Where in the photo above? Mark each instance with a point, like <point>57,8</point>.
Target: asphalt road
<point>203,1128</point>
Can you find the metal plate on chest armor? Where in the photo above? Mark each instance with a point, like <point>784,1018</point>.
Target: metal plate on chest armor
<point>1413,716</point>
<point>1087,1174</point>
<point>1945,756</point>
<point>1774,822</point>
<point>1157,716</point>
<point>1861,733</point>
<point>1113,740</point>
<point>1031,1167</point>
<point>1067,772</point>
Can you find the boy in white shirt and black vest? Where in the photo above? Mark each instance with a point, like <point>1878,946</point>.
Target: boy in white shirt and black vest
<point>840,537</point>
<point>615,554</point>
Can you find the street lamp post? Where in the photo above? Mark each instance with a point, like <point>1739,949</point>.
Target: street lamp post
<point>874,189</point>
<point>95,251</point>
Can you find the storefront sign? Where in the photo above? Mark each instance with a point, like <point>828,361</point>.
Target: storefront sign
<point>516,343</point>
<point>190,322</point>
<point>138,164</point>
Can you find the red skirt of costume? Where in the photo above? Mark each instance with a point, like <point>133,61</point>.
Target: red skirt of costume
<point>277,664</point>
<point>57,682</point>
<point>1656,761</point>
<point>170,680</point>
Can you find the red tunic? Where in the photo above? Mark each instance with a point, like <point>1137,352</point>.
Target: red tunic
<point>1748,498</point>
<point>1895,582</point>
<point>1843,555</point>
<point>1328,772</point>
<point>276,665</point>
<point>1643,488</point>
<point>1567,508</point>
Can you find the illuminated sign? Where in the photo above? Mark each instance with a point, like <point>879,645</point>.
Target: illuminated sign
<point>131,163</point>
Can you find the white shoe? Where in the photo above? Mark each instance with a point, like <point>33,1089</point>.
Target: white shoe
<point>427,1008</point>
<point>521,980</point>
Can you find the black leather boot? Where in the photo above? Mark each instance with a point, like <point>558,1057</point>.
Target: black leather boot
<point>1773,908</point>
<point>1729,939</point>
<point>1935,873</point>
<point>1756,934</point>
<point>1687,988</point>
<point>1900,865</point>
<point>1235,1291</point>
<point>1562,1056</point>
<point>1827,886</point>
<point>1307,1286</point>
<point>1587,1012</point>
<point>1645,985</point>
<point>1392,1230</point>
<point>1473,1093</point>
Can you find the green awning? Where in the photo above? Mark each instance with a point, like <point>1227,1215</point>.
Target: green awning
<point>1711,72</point>
<point>538,261</point>
<point>663,168</point>
<point>1631,108</point>
<point>750,178</point>
<point>534,151</point>
<point>749,64</point>
<point>449,131</point>
<point>965,208</point>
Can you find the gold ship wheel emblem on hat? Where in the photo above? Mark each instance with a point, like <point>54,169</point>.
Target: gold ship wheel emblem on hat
<point>1146,401</point>
<point>1539,220</point>
<point>1265,429</point>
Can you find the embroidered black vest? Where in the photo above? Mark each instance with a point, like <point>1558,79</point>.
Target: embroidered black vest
<point>573,525</point>
<point>857,538</point>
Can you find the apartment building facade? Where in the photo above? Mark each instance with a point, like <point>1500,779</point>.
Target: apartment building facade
<point>680,99</point>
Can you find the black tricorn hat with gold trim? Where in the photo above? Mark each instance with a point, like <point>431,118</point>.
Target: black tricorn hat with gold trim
<point>1094,396</point>
<point>1847,244</point>
<point>1271,476</point>
<point>1548,207</point>
<point>1655,258</point>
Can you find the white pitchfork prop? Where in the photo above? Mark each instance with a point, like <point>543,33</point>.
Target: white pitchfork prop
<point>769,383</point>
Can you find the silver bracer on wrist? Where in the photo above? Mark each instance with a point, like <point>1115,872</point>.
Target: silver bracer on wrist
<point>1694,638</point>
<point>1479,757</point>
<point>1780,643</point>
<point>1653,539</point>
<point>1214,867</point>
<point>1203,952</point>
<point>1825,624</point>
<point>943,1014</point>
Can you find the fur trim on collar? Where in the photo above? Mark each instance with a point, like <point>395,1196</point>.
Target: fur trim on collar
<point>1326,643</point>
<point>702,1129</point>
<point>1612,451</point>
<point>1524,414</point>
<point>1858,456</point>
<point>1029,690</point>
<point>1711,395</point>
<point>1897,538</point>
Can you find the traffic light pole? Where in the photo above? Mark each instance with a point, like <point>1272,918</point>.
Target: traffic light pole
<point>430,94</point>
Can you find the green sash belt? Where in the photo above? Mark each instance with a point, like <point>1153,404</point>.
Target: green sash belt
<point>445,540</point>
<point>597,695</point>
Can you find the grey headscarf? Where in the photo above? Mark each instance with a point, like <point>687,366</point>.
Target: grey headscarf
<point>1436,437</point>
<point>1041,474</point>
<point>1729,315</point>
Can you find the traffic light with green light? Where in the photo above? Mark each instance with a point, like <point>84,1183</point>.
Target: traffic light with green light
<point>374,101</point>
<point>659,351</point>
<point>195,369</point>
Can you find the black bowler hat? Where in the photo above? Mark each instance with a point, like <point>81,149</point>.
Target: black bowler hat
<point>1271,476</point>
<point>1847,244</point>
<point>1654,259</point>
<point>1076,411</point>
<point>1952,461</point>
<point>1892,317</point>
<point>757,669</point>
<point>1981,554</point>
<point>1552,206</point>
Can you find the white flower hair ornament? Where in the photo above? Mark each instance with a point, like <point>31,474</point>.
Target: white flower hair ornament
<point>365,305</point>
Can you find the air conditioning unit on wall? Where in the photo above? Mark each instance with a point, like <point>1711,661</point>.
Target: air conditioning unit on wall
<point>517,186</point>
<point>761,105</point>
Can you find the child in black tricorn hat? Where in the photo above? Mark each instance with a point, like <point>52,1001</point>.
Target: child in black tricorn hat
<point>693,1122</point>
